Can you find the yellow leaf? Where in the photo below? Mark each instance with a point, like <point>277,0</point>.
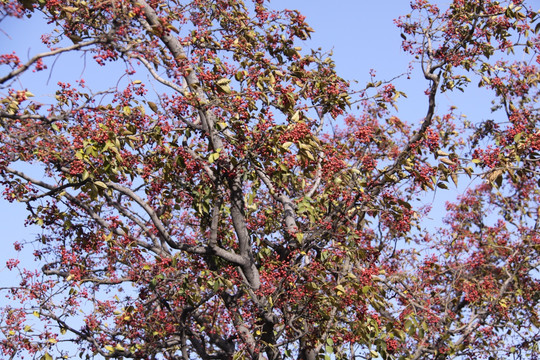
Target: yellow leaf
<point>447,161</point>
<point>223,81</point>
<point>286,145</point>
<point>70,9</point>
<point>454,178</point>
<point>340,289</point>
<point>213,157</point>
<point>442,153</point>
<point>101,184</point>
<point>296,116</point>
<point>173,28</point>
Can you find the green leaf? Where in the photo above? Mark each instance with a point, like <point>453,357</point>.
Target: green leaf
<point>223,86</point>
<point>498,181</point>
<point>240,75</point>
<point>75,39</point>
<point>442,185</point>
<point>28,4</point>
<point>153,106</point>
<point>46,356</point>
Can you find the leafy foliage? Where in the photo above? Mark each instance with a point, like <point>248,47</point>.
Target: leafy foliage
<point>225,219</point>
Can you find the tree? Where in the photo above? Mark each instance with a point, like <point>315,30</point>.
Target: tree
<point>230,217</point>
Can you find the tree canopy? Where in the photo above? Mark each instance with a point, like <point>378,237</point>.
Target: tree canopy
<point>233,197</point>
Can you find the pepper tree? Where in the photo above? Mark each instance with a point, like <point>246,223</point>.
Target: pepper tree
<point>233,197</point>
